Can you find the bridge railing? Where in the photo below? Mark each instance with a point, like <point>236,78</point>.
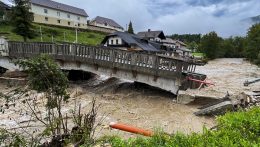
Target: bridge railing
<point>104,56</point>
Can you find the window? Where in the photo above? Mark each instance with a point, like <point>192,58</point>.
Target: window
<point>46,18</point>
<point>58,21</point>
<point>105,24</point>
<point>79,25</point>
<point>58,13</point>
<point>112,41</point>
<point>69,23</point>
<point>116,41</point>
<point>46,11</point>
<point>68,15</point>
<point>78,18</point>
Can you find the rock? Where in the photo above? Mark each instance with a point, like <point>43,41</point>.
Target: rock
<point>184,98</point>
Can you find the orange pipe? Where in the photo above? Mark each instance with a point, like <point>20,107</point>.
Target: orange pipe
<point>130,129</point>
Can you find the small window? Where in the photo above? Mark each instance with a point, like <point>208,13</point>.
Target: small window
<point>46,18</point>
<point>116,41</point>
<point>112,41</point>
<point>78,24</point>
<point>69,23</point>
<point>105,24</point>
<point>46,11</point>
<point>78,18</point>
<point>68,15</point>
<point>58,21</point>
<point>58,13</point>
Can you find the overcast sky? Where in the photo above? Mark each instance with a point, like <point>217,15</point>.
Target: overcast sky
<point>175,16</point>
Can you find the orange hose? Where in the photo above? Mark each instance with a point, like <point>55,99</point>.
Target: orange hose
<point>131,129</point>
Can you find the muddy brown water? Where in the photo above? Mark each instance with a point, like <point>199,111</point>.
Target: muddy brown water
<point>141,105</point>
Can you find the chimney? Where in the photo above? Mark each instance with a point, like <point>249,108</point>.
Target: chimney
<point>149,30</point>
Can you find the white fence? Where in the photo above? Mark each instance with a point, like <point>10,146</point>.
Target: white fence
<point>3,46</point>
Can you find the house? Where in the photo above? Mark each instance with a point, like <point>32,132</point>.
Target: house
<point>156,36</point>
<point>180,44</point>
<point>4,8</point>
<point>176,46</point>
<point>126,41</point>
<point>106,23</point>
<point>169,43</point>
<point>54,13</point>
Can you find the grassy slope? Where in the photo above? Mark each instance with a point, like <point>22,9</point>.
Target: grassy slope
<point>85,37</point>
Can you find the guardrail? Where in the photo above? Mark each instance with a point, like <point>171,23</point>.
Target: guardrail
<point>158,65</point>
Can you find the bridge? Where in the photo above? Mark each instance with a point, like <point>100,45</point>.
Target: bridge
<point>161,70</point>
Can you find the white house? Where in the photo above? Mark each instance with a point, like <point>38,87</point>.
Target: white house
<point>107,23</point>
<point>156,36</point>
<point>126,41</point>
<point>54,13</point>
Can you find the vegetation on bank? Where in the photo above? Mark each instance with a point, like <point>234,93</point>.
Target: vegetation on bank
<point>233,129</point>
<point>59,34</point>
<point>214,46</point>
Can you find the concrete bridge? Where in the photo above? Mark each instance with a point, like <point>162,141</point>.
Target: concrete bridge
<point>155,69</point>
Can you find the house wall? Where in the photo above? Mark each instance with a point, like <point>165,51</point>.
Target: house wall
<point>169,45</point>
<point>53,17</point>
<point>156,39</point>
<point>106,26</point>
<point>120,41</point>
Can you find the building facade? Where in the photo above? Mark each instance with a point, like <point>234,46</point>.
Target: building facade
<point>107,23</point>
<point>54,13</point>
<point>4,9</point>
<point>156,36</point>
<point>131,42</point>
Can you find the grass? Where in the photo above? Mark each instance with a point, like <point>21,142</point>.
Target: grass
<point>198,54</point>
<point>234,129</point>
<point>84,36</point>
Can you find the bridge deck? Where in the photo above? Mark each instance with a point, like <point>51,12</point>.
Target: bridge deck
<point>156,69</point>
<point>103,56</point>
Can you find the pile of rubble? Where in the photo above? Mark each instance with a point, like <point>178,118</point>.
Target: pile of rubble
<point>245,100</point>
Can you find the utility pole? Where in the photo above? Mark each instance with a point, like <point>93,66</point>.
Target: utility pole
<point>76,35</point>
<point>41,32</point>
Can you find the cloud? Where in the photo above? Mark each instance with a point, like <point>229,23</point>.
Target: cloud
<point>175,16</point>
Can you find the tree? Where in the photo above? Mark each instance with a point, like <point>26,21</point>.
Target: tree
<point>252,51</point>
<point>210,45</point>
<point>130,28</point>
<point>22,19</point>
<point>193,46</point>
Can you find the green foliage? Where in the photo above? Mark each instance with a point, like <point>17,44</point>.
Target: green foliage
<point>187,38</point>
<point>11,139</point>
<point>210,45</point>
<point>84,36</point>
<point>44,75</point>
<point>193,46</point>
<point>130,28</point>
<point>22,19</point>
<point>234,129</point>
<point>253,43</point>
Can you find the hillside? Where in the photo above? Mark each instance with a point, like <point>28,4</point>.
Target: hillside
<point>84,36</point>
<point>256,19</point>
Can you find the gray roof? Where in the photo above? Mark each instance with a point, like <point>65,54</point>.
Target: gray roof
<point>103,20</point>
<point>3,5</point>
<point>169,40</point>
<point>151,34</point>
<point>60,6</point>
<point>132,39</point>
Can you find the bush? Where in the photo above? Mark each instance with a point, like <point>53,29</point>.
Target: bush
<point>234,129</point>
